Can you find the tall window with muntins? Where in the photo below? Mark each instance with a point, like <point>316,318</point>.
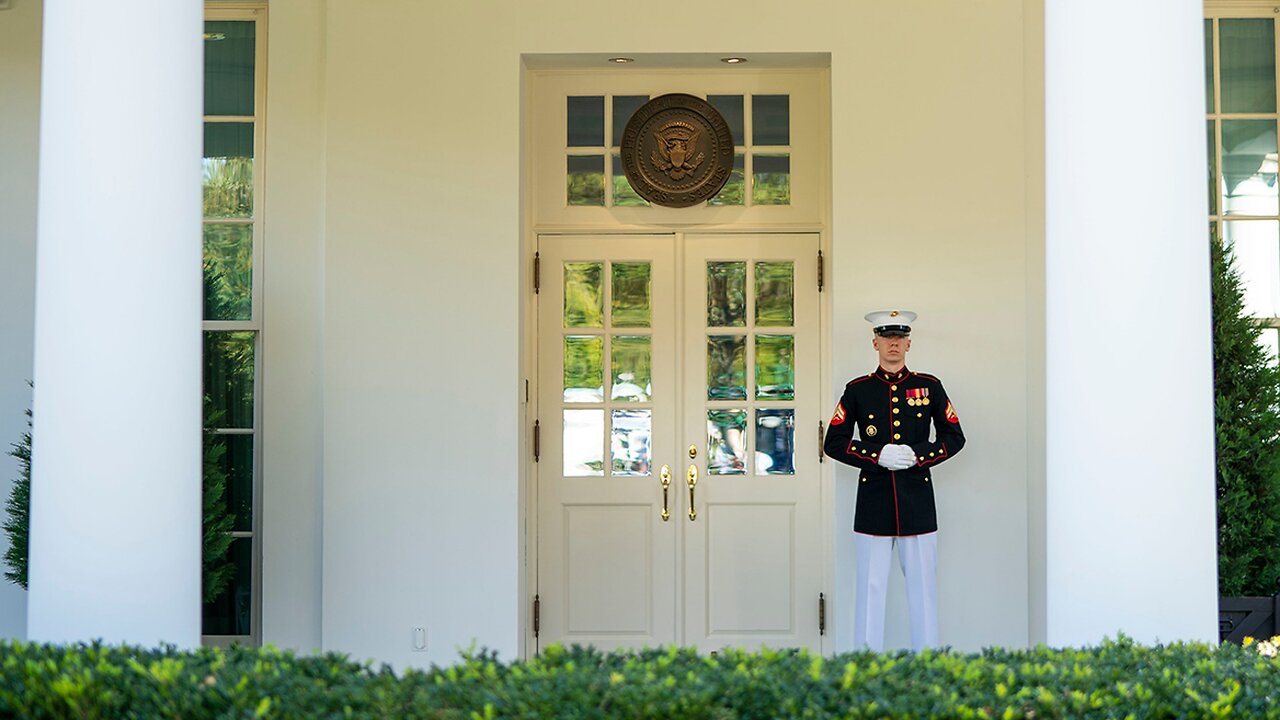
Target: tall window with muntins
<point>1241,114</point>
<point>761,129</point>
<point>232,321</point>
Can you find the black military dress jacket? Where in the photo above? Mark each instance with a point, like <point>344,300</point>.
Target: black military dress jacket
<point>894,408</point>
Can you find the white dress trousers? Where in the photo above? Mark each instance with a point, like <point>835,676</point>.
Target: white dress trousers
<point>918,556</point>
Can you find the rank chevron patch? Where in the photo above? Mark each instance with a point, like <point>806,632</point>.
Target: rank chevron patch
<point>839,416</point>
<point>951,413</point>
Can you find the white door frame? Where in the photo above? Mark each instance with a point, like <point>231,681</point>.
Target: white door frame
<point>535,221</point>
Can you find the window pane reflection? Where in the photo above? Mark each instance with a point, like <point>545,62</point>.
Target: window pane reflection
<point>228,272</point>
<point>1249,167</point>
<point>735,188</point>
<point>1247,48</point>
<point>583,443</point>
<point>230,612</point>
<point>730,108</point>
<point>228,170</point>
<point>583,368</point>
<point>775,367</point>
<point>771,119</point>
<point>775,293</point>
<point>631,287</point>
<point>585,180</point>
<point>726,442</point>
<point>624,106</point>
<point>583,295</point>
<point>1213,170</point>
<point>233,455</point>
<point>629,442</point>
<point>228,67</point>
<point>632,373</point>
<point>623,194</point>
<point>1208,65</point>
<point>726,294</point>
<point>1256,245</point>
<point>586,121</point>
<point>228,378</point>
<point>775,442</point>
<point>771,179</point>
<point>726,367</point>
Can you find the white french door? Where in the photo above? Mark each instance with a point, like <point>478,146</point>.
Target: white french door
<point>689,359</point>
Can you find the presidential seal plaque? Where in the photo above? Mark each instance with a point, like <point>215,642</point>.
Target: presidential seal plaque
<point>677,151</point>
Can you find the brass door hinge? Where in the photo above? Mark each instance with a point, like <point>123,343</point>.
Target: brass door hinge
<point>822,437</point>
<point>537,440</point>
<point>537,272</point>
<point>822,614</point>
<point>821,271</point>
<point>537,615</point>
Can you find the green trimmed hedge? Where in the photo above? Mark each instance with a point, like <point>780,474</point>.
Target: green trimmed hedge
<point>1117,679</point>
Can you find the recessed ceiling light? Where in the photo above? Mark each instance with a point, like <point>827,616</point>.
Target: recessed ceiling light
<point>733,60</point>
<point>621,60</point>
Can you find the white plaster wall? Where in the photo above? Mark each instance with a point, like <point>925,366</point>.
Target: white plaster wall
<point>19,132</point>
<point>421,294</point>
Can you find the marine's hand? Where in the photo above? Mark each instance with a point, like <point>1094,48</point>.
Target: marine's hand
<point>896,457</point>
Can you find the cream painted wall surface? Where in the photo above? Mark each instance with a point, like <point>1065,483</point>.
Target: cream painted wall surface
<point>422,384</point>
<point>293,282</point>
<point>19,132</point>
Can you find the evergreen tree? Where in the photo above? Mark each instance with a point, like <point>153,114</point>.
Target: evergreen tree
<point>17,508</point>
<point>1247,417</point>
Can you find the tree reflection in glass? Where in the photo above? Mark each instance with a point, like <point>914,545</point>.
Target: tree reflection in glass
<point>726,442</point>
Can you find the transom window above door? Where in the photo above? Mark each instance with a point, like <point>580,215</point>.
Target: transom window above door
<point>761,130</point>
<point>779,121</point>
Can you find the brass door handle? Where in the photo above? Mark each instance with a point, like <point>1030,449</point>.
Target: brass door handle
<point>693,483</point>
<point>666,484</point>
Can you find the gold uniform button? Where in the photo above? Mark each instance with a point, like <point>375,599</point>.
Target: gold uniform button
<point>895,411</point>
<point>895,399</point>
<point>930,455</point>
<point>919,414</point>
<point>893,387</point>
<point>896,423</point>
<point>871,417</point>
<point>864,479</point>
<point>896,436</point>
<point>926,480</point>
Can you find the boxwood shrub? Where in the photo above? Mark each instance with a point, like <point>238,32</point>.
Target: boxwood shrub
<point>1117,679</point>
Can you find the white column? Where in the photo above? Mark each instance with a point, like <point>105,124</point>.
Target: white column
<point>116,505</point>
<point>1130,534</point>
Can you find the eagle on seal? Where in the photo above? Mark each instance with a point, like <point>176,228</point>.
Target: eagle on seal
<point>677,141</point>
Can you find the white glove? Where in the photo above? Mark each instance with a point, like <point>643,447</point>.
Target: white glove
<point>897,457</point>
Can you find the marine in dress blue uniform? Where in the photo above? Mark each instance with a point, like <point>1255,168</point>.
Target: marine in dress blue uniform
<point>882,426</point>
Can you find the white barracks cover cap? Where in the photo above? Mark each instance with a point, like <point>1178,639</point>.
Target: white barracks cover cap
<point>891,323</point>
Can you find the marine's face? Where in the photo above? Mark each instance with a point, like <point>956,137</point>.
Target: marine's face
<point>892,350</point>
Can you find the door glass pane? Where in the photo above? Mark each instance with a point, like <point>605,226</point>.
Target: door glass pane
<point>228,272</point>
<point>228,67</point>
<point>233,456</point>
<point>1249,167</point>
<point>631,288</point>
<point>583,368</point>
<point>771,120</point>
<point>775,367</point>
<point>775,290</point>
<point>624,106</point>
<point>583,295</point>
<point>726,442</point>
<point>771,179</point>
<point>726,367</point>
<point>1248,54</point>
<point>228,170</point>
<point>775,442</point>
<point>734,189</point>
<point>1213,171</point>
<point>586,121</point>
<point>726,294</point>
<point>632,374</point>
<point>730,108</point>
<point>583,443</point>
<point>623,194</point>
<point>629,443</point>
<point>228,378</point>
<point>585,180</point>
<point>230,612</point>
<point>1256,244</point>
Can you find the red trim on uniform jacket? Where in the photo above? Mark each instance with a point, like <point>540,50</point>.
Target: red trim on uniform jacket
<point>942,452</point>
<point>857,454</point>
